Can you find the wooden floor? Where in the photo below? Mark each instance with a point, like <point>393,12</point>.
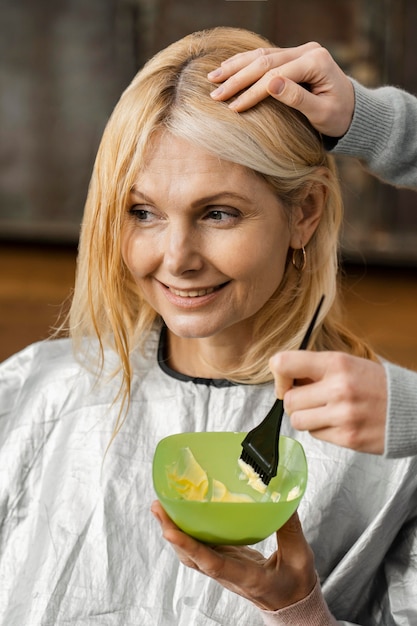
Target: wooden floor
<point>35,281</point>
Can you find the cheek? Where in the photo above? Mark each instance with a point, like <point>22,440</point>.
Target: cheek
<point>136,256</point>
<point>263,263</point>
<point>269,272</point>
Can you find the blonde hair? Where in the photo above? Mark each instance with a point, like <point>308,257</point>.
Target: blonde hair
<point>172,93</point>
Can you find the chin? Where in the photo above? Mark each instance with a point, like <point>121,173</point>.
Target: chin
<point>190,330</point>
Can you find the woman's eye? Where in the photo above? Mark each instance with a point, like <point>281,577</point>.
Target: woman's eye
<point>141,214</point>
<point>222,215</point>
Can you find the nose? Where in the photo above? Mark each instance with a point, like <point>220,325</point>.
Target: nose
<point>183,251</point>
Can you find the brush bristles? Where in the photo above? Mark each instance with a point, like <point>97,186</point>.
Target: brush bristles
<point>264,476</point>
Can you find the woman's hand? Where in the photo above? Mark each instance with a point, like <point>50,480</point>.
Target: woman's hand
<point>271,584</point>
<point>328,101</point>
<point>339,398</point>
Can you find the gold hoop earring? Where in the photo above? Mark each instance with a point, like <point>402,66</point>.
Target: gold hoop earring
<point>299,260</point>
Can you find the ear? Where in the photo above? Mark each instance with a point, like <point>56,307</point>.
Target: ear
<point>306,216</point>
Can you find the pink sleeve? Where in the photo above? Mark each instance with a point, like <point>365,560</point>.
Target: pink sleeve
<point>311,611</point>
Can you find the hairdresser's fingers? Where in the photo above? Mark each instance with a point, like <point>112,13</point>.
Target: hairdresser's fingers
<point>357,421</point>
<point>252,76</point>
<point>297,365</point>
<point>259,57</point>
<point>237,62</point>
<point>342,382</point>
<point>306,78</point>
<point>368,438</point>
<point>345,405</point>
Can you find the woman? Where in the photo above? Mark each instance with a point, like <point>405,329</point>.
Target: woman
<point>207,240</point>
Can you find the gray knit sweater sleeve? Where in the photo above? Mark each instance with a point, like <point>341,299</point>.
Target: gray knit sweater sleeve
<point>383,134</point>
<point>401,428</point>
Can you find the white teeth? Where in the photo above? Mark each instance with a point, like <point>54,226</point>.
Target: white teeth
<point>192,294</point>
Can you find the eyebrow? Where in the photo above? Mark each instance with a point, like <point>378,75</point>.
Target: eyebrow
<point>204,199</point>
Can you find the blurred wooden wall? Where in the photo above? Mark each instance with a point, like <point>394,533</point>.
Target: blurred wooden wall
<point>63,66</point>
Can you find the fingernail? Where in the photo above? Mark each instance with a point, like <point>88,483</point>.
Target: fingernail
<point>276,86</point>
<point>217,92</point>
<point>156,516</point>
<point>215,73</point>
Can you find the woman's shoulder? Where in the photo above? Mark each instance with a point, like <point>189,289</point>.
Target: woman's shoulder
<point>48,376</point>
<point>37,358</point>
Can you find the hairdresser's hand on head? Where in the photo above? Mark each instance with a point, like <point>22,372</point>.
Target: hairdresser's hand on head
<point>328,102</point>
<point>338,397</point>
<point>286,577</point>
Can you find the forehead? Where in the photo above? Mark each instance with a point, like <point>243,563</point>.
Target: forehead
<point>173,157</point>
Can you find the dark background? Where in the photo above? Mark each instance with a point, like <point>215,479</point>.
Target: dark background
<point>64,63</point>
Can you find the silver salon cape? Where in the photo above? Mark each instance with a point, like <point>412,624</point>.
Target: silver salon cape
<point>79,546</point>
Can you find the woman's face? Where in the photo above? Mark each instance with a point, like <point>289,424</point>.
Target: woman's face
<point>206,241</point>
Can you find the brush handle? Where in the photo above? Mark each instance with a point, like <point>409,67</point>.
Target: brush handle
<point>303,345</point>
<point>277,410</point>
<point>310,329</point>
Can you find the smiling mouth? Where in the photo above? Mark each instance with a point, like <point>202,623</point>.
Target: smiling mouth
<point>194,293</point>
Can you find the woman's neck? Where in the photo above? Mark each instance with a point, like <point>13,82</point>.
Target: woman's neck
<point>208,357</point>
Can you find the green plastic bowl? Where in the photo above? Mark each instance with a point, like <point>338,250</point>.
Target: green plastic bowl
<point>230,523</point>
